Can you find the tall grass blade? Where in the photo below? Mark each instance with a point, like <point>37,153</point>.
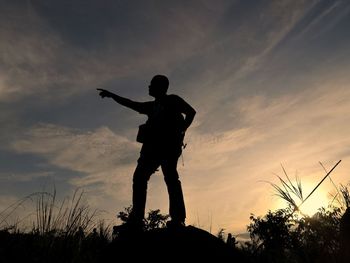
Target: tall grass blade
<point>320,182</point>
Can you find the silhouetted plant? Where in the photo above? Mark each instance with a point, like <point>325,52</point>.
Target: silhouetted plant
<point>290,237</point>
<point>345,196</point>
<point>124,215</point>
<point>6,220</point>
<point>69,218</point>
<point>319,234</point>
<point>273,230</point>
<point>52,217</point>
<point>153,220</point>
<point>104,230</point>
<point>271,235</point>
<point>61,232</point>
<point>221,234</point>
<point>296,239</point>
<point>289,191</point>
<point>342,197</point>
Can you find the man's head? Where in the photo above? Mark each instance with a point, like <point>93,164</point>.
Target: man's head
<point>159,86</point>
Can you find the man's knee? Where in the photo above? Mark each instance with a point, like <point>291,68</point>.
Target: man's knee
<point>140,177</point>
<point>143,173</point>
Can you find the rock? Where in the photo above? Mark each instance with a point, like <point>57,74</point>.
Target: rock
<point>162,245</point>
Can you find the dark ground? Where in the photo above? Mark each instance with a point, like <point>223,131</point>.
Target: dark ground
<point>187,244</point>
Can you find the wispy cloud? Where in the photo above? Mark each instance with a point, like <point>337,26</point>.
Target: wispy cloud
<point>37,61</point>
<point>103,157</point>
<point>23,177</point>
<point>313,23</point>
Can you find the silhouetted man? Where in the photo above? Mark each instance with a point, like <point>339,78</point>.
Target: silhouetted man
<point>162,136</point>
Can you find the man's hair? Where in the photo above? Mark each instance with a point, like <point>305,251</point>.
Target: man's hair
<point>161,81</point>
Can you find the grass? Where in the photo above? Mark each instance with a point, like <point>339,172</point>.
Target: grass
<point>70,217</point>
<point>65,217</point>
<point>66,231</point>
<point>292,192</point>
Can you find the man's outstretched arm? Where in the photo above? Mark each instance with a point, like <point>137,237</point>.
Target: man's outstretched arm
<point>121,100</point>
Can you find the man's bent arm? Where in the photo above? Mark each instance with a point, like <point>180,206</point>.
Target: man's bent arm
<point>189,116</point>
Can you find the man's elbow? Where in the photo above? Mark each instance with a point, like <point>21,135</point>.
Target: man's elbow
<point>193,113</point>
<point>190,117</point>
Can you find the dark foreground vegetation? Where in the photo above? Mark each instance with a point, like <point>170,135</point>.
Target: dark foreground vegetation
<point>276,237</point>
<point>68,233</point>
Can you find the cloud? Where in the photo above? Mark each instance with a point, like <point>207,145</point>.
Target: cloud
<point>313,116</point>
<point>36,60</point>
<point>70,148</point>
<point>233,63</point>
<point>42,58</point>
<point>275,22</point>
<point>104,158</point>
<point>23,177</point>
<point>320,18</point>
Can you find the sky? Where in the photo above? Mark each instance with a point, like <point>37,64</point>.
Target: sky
<point>268,78</point>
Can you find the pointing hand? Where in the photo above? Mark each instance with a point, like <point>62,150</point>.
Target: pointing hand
<point>105,93</point>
